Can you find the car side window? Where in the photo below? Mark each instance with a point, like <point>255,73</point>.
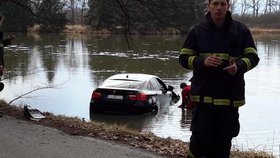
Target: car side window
<point>155,85</point>
<point>149,86</point>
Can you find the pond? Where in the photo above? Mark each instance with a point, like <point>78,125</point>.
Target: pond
<point>57,73</point>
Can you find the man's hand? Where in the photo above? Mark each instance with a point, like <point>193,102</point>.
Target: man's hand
<point>1,70</point>
<point>212,61</point>
<point>231,69</point>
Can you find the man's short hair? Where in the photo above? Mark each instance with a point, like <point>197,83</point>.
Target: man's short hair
<point>210,1</point>
<point>183,85</point>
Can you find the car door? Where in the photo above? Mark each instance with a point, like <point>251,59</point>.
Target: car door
<point>160,90</point>
<point>166,95</point>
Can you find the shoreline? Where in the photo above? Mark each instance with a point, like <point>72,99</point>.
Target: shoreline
<point>256,30</point>
<point>120,135</point>
<point>86,29</point>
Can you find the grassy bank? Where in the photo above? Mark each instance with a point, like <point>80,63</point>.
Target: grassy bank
<point>148,141</point>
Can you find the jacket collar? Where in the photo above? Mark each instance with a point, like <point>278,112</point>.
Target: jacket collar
<point>228,20</point>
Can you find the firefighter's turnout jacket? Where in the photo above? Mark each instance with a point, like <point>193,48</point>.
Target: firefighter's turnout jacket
<point>233,43</point>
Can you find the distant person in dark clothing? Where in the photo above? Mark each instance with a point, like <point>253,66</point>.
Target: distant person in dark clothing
<point>3,43</point>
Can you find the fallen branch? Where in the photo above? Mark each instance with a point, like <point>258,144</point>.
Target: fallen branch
<point>21,96</point>
<point>36,89</point>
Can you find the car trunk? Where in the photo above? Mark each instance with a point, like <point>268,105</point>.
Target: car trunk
<point>119,98</point>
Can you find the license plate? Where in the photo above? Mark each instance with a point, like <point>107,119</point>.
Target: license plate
<point>118,97</point>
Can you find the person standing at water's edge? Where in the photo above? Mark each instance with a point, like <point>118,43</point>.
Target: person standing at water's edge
<point>186,103</point>
<point>219,51</point>
<point>3,43</point>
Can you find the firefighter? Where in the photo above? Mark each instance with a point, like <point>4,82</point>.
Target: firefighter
<point>219,50</point>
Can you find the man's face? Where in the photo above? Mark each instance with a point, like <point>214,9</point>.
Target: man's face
<point>218,9</point>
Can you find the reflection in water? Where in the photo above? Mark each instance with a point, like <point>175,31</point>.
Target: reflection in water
<point>141,122</point>
<point>137,122</point>
<point>77,65</point>
<point>186,118</point>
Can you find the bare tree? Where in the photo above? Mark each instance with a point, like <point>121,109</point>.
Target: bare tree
<point>233,5</point>
<point>244,7</point>
<point>275,6</point>
<point>268,6</point>
<point>255,5</point>
<point>83,7</point>
<point>71,4</point>
<point>251,5</point>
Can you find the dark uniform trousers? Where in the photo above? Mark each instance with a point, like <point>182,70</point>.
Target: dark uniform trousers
<point>213,128</point>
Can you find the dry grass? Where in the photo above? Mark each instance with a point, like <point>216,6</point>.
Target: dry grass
<point>257,30</point>
<point>83,29</point>
<point>86,29</point>
<point>74,29</point>
<point>74,126</point>
<point>33,29</point>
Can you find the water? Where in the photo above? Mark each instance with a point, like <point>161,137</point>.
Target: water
<point>61,72</point>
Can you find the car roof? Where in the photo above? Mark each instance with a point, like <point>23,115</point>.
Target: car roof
<point>133,76</point>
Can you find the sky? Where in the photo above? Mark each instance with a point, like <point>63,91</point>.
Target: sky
<point>262,3</point>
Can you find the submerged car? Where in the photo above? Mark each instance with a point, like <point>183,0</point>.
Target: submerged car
<point>133,93</point>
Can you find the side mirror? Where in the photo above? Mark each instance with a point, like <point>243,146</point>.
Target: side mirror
<point>170,88</point>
